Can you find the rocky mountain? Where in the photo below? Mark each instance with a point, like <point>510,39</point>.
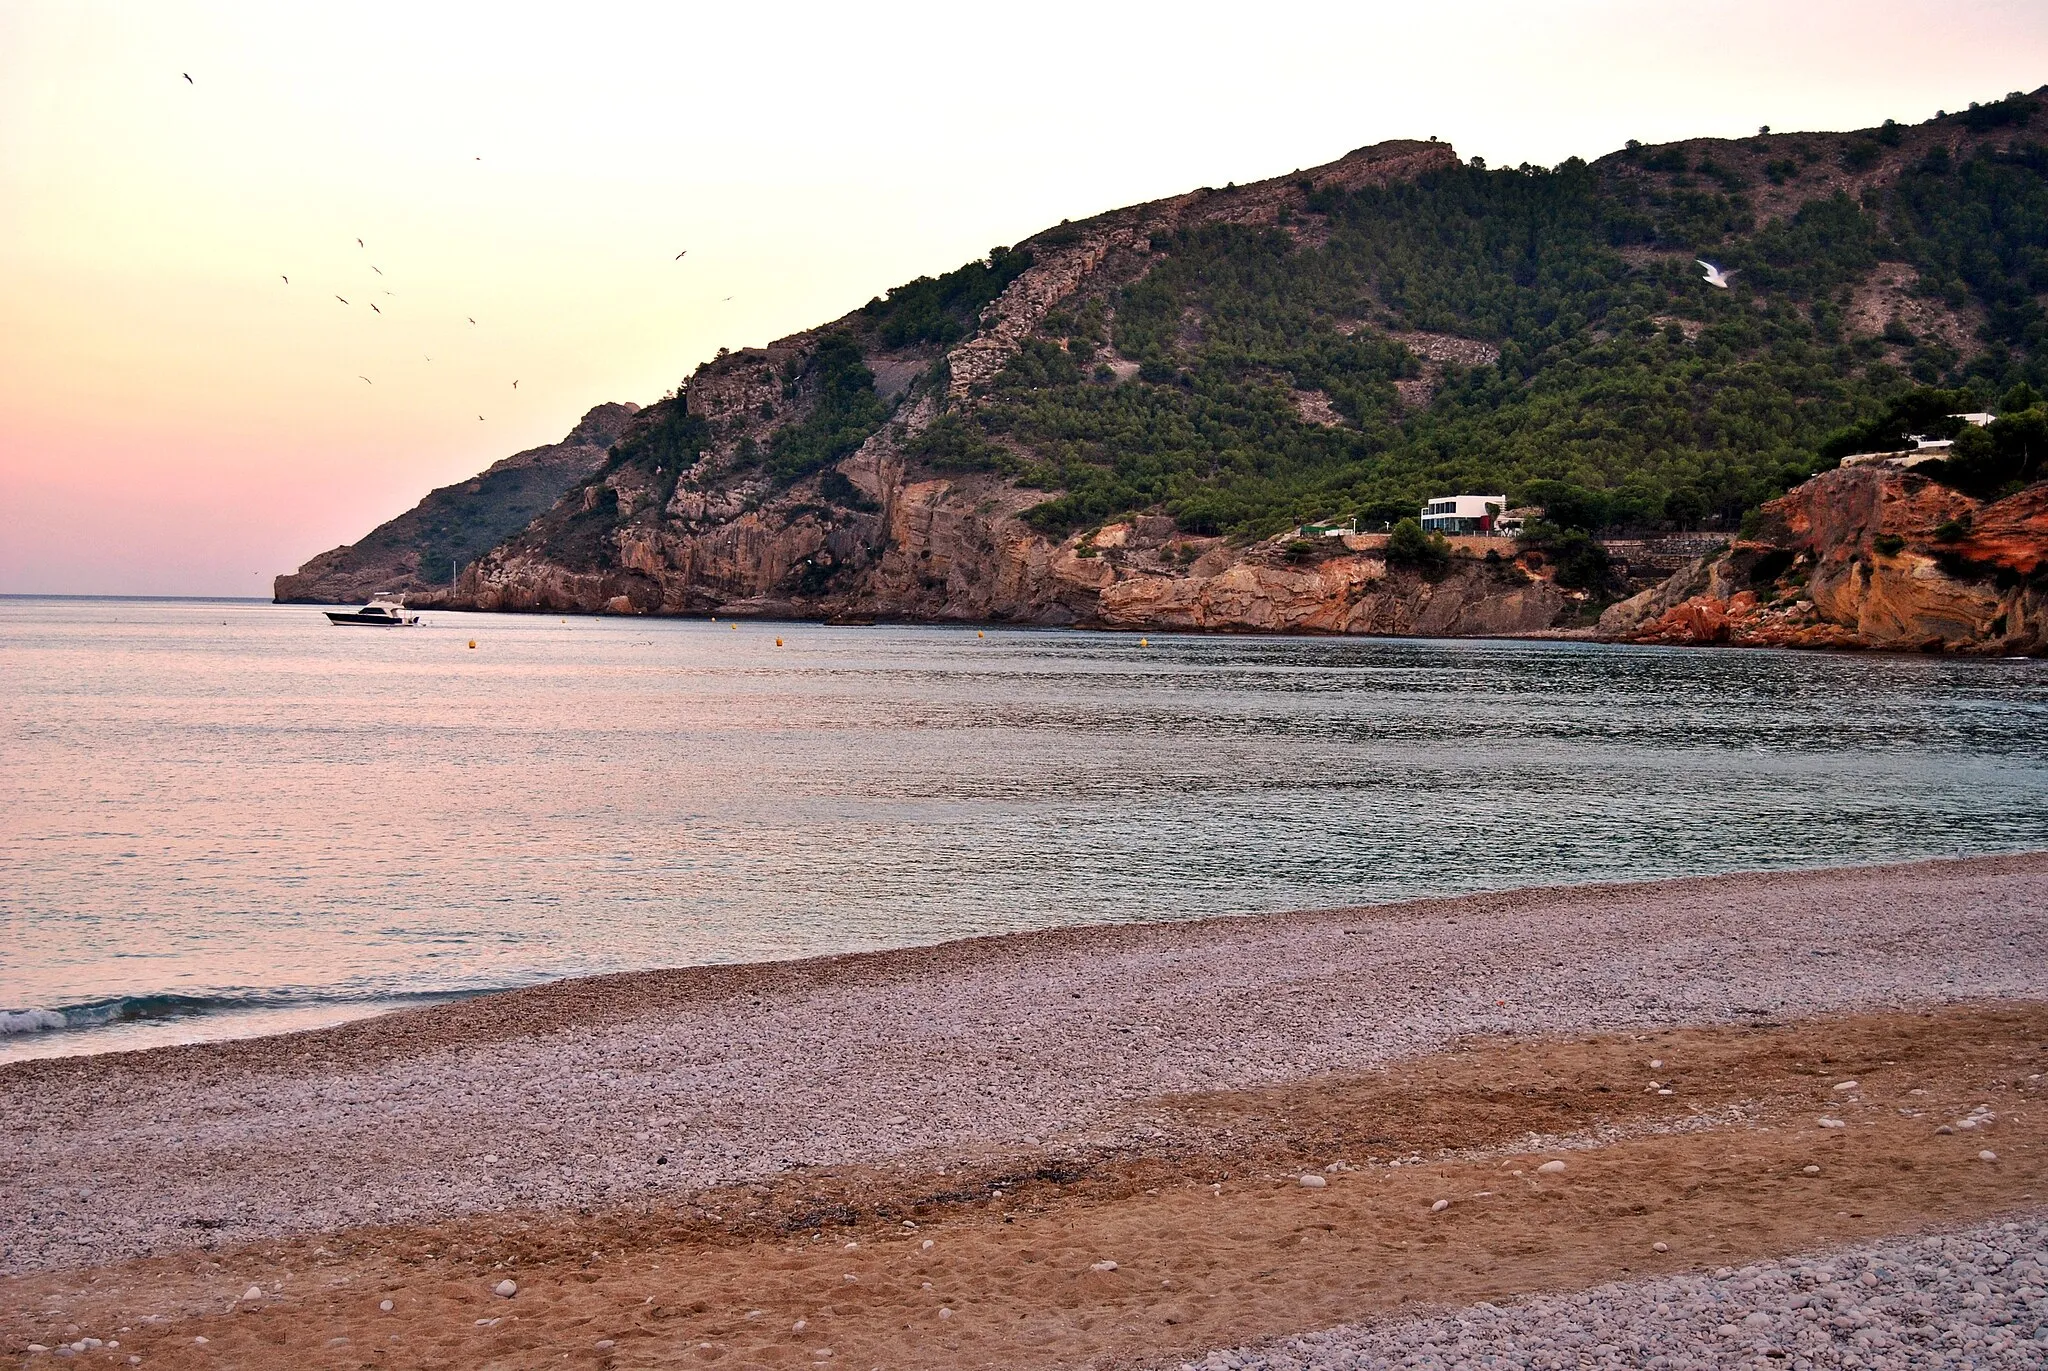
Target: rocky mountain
<point>457,523</point>
<point>1121,421</point>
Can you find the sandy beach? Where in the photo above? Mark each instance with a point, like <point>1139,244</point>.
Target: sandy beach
<point>930,1157</point>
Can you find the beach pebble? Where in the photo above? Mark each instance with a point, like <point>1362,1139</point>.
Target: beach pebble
<point>1312,1181</point>
<point>1832,1123</point>
<point>1103,1266</point>
<point>1844,1085</point>
<point>1660,1247</point>
<point>1987,1156</point>
<point>254,1292</point>
<point>1656,1063</point>
<point>945,1313</point>
<point>1667,1090</point>
<point>505,1289</point>
<point>926,1245</point>
<point>1757,1319</point>
<point>605,1344</point>
<point>1943,1128</point>
<point>1811,1170</point>
<point>1440,1206</point>
<point>800,1325</point>
<point>199,1342</point>
<point>1551,1168</point>
<point>821,1353</point>
<point>384,1305</point>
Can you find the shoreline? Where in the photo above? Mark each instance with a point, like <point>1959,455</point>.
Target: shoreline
<point>1084,1144</point>
<point>606,995</point>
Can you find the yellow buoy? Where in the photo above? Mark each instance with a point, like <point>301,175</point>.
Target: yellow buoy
<point>472,642</point>
<point>778,642</point>
<point>1144,642</point>
<point>735,628</point>
<point>979,634</point>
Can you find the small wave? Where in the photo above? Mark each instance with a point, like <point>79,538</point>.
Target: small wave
<point>31,1020</point>
<point>128,1009</point>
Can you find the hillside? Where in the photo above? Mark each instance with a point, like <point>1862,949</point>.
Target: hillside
<point>1111,421</point>
<point>459,523</point>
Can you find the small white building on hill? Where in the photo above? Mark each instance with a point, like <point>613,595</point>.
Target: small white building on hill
<point>1449,514</point>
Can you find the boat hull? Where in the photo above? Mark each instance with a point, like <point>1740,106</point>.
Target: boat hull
<point>368,620</point>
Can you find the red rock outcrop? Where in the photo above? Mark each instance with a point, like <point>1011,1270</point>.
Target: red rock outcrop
<point>1865,557</point>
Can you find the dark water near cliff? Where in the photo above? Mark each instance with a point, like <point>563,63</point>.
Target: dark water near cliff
<point>230,818</point>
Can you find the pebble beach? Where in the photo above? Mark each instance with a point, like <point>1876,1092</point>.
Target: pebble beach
<point>1076,1051</point>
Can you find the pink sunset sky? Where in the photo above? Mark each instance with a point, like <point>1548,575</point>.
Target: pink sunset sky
<point>176,419</point>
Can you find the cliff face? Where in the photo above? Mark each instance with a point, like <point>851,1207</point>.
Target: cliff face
<point>1865,557</point>
<point>461,522</point>
<point>878,534</point>
<point>1055,435</point>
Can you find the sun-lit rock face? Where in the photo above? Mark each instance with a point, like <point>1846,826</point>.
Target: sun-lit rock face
<point>1865,557</point>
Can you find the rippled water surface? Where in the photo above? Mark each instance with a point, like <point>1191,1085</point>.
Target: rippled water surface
<point>226,818</point>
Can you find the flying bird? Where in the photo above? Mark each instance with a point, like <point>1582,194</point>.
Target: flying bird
<point>1715,276</point>
<point>188,78</point>
<point>471,321</point>
<point>515,385</point>
<point>373,305</point>
<point>681,255</point>
<point>359,242</point>
<point>479,418</point>
<point>365,380</point>
<point>287,280</point>
<point>339,298</point>
<point>374,267</point>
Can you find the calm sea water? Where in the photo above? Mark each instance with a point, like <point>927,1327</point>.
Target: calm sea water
<point>223,818</point>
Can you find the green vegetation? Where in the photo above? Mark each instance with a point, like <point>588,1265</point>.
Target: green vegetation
<point>847,411</point>
<point>1408,545</point>
<point>944,310</point>
<point>1627,392</point>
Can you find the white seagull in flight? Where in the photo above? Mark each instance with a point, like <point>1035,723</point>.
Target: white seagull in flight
<point>1715,276</point>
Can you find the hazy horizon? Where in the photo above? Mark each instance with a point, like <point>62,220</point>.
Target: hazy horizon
<point>175,419</point>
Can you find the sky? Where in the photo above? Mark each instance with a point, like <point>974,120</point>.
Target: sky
<point>178,419</point>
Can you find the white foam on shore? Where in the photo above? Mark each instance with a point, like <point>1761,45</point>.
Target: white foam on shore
<point>31,1020</point>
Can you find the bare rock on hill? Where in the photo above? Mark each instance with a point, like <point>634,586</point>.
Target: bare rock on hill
<point>1865,557</point>
<point>457,523</point>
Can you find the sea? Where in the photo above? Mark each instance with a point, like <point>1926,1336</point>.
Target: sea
<point>223,818</point>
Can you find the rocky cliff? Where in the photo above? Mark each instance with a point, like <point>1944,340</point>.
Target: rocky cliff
<point>683,519</point>
<point>457,523</point>
<point>1121,421</point>
<point>1864,557</point>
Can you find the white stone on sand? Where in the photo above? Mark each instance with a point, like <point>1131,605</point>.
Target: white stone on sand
<point>1312,1181</point>
<point>1552,1167</point>
<point>505,1289</point>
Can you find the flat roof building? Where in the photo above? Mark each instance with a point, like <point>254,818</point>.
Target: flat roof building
<point>1463,513</point>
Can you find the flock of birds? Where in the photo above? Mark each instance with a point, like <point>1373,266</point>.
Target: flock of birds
<point>374,307</point>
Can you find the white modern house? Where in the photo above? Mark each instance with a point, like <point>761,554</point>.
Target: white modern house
<point>1463,513</point>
